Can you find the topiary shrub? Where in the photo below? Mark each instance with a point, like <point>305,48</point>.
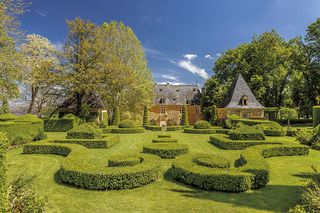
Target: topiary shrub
<point>4,144</point>
<point>185,116</point>
<point>127,124</point>
<point>84,131</point>
<point>202,125</point>
<point>304,137</point>
<point>166,150</point>
<point>123,160</point>
<point>145,121</point>
<point>78,168</point>
<point>116,116</point>
<point>316,116</point>
<point>8,117</point>
<point>271,129</point>
<point>103,143</point>
<point>127,130</point>
<point>59,125</point>
<point>244,132</point>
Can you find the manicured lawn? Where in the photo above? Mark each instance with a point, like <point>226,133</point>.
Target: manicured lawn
<point>165,195</point>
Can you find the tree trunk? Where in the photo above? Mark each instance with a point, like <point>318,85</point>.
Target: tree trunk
<point>79,97</point>
<point>34,92</point>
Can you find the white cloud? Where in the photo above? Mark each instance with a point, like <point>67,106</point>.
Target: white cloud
<point>218,55</point>
<point>209,57</point>
<point>41,13</point>
<point>190,56</point>
<point>187,65</point>
<point>169,77</point>
<point>171,82</point>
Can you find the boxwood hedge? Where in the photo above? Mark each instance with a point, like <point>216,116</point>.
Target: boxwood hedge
<point>244,132</point>
<point>213,161</point>
<point>127,124</point>
<point>123,160</point>
<point>59,124</point>
<point>4,143</point>
<point>153,128</point>
<point>202,125</point>
<point>103,143</point>
<point>127,130</point>
<point>166,150</point>
<point>79,169</point>
<point>225,142</point>
<point>199,131</point>
<point>174,128</point>
<point>252,171</point>
<point>165,140</point>
<point>84,131</point>
<point>164,136</point>
<point>316,116</point>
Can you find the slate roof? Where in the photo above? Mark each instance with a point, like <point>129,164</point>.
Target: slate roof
<point>237,91</point>
<point>177,94</point>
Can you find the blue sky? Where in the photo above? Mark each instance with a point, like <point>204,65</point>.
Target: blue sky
<point>181,38</point>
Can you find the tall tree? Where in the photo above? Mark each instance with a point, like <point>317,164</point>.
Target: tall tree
<point>41,61</point>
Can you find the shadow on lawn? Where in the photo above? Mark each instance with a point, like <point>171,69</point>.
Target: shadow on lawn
<point>277,198</point>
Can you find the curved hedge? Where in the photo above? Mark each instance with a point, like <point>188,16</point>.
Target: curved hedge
<point>103,143</point>
<point>122,160</point>
<point>79,169</point>
<point>244,132</point>
<point>127,130</point>
<point>199,131</point>
<point>316,116</point>
<point>84,131</point>
<point>165,140</point>
<point>224,142</point>
<point>253,171</point>
<point>166,150</point>
<point>212,161</point>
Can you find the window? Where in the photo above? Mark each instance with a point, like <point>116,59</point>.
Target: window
<point>244,100</point>
<point>162,110</point>
<point>194,89</point>
<point>160,90</point>
<point>174,99</point>
<point>177,90</point>
<point>198,111</point>
<point>188,101</point>
<point>180,108</point>
<point>162,101</point>
<point>245,115</point>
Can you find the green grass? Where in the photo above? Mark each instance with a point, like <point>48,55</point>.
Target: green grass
<point>164,195</point>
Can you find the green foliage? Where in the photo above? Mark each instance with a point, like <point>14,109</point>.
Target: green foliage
<point>123,160</point>
<point>212,161</point>
<point>20,139</point>
<point>166,150</point>
<point>83,131</point>
<point>105,116</point>
<point>174,128</point>
<point>316,116</point>
<point>85,113</point>
<point>127,130</point>
<point>22,196</point>
<point>210,114</point>
<point>4,143</point>
<point>145,116</point>
<point>271,129</point>
<point>116,116</point>
<point>164,136</point>
<point>77,169</point>
<point>213,94</point>
<point>288,114</point>
<point>244,132</point>
<point>103,143</point>
<point>225,142</point>
<point>153,128</point>
<point>165,140</point>
<point>59,124</point>
<point>304,137</point>
<point>29,118</point>
<point>5,107</point>
<point>127,124</point>
<point>202,125</point>
<point>185,116</point>
<point>199,131</point>
<point>8,117</point>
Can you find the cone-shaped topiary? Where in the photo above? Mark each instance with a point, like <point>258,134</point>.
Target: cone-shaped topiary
<point>145,117</point>
<point>185,116</point>
<point>213,115</point>
<point>116,116</point>
<point>316,116</point>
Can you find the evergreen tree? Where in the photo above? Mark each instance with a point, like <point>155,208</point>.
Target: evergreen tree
<point>116,116</point>
<point>145,116</point>
<point>185,117</point>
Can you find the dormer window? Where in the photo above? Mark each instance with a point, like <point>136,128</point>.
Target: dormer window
<point>177,90</point>
<point>160,90</point>
<point>244,100</point>
<point>162,101</point>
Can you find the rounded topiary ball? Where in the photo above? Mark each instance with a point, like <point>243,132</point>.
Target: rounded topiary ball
<point>126,124</point>
<point>202,125</point>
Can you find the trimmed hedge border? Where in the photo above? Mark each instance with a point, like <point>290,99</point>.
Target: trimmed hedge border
<point>122,160</point>
<point>199,131</point>
<point>166,150</point>
<point>274,132</point>
<point>174,128</point>
<point>91,143</point>
<point>224,142</point>
<point>253,171</point>
<point>295,121</point>
<point>59,124</point>
<point>164,136</point>
<point>165,140</point>
<point>212,161</point>
<point>127,130</point>
<point>153,128</point>
<point>78,169</point>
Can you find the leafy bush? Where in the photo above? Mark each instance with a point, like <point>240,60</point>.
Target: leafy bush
<point>91,143</point>
<point>166,150</point>
<point>59,125</point>
<point>84,131</point>
<point>20,139</point>
<point>244,132</point>
<point>127,130</point>
<point>224,142</point>
<point>199,131</point>
<point>127,124</point>
<point>295,121</point>
<point>316,116</point>
<point>22,196</point>
<point>123,160</point>
<point>28,118</point>
<point>4,143</point>
<point>304,137</point>
<point>78,168</point>
<point>165,140</point>
<point>271,129</point>
<point>72,116</point>
<point>202,125</point>
<point>8,117</point>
